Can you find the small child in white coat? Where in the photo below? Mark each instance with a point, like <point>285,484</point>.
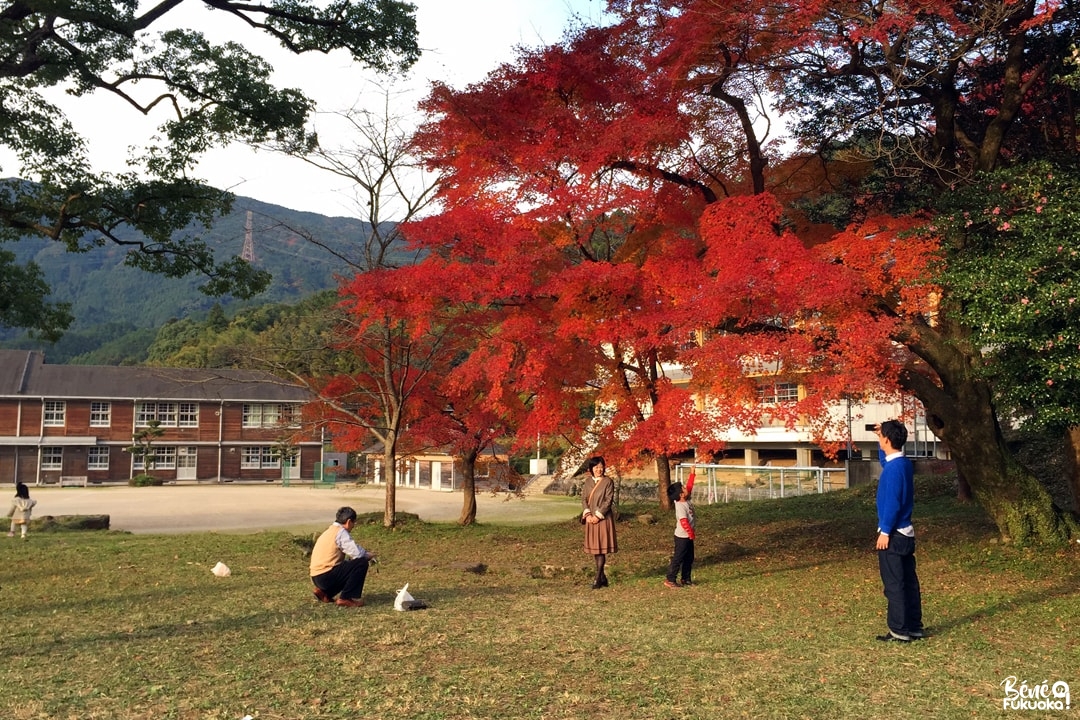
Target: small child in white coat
<point>21,505</point>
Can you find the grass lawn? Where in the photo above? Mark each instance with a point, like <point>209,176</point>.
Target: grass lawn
<point>780,625</point>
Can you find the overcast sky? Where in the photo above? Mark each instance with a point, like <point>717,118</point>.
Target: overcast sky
<point>462,40</point>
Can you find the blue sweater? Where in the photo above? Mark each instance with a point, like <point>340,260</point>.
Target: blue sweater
<point>895,493</point>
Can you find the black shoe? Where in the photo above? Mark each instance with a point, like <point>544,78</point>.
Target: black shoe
<point>597,585</point>
<point>603,581</point>
<point>687,583</point>
<point>917,634</point>
<point>894,637</point>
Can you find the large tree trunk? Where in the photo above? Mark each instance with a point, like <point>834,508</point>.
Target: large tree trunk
<point>468,489</point>
<point>961,412</point>
<point>663,474</point>
<point>963,489</point>
<point>1014,498</point>
<point>1074,466</point>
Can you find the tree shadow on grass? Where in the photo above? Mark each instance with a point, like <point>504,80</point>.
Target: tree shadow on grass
<point>1066,587</point>
<point>750,572</point>
<point>747,562</point>
<point>259,621</point>
<point>293,611</point>
<point>790,545</point>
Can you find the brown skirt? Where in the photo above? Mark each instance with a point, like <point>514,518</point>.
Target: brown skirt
<point>600,538</point>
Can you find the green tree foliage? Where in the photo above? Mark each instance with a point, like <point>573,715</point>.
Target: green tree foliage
<point>214,341</point>
<point>108,298</point>
<point>172,338</point>
<point>1018,286</point>
<point>277,336</point>
<point>212,95</point>
<point>22,304</point>
<point>127,346</point>
<point>300,340</point>
<point>142,445</point>
<point>216,319</point>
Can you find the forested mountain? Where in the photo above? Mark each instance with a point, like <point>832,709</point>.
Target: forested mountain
<point>118,309</point>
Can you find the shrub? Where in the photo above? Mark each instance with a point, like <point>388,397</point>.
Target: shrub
<point>145,480</point>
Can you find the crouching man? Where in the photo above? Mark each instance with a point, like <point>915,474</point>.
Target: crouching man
<point>338,564</point>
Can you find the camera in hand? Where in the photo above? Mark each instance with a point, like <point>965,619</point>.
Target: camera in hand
<point>871,427</point>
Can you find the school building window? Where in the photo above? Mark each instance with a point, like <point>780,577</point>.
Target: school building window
<point>52,458</point>
<point>100,414</point>
<point>270,415</point>
<point>97,458</point>
<point>773,393</point>
<point>164,413</point>
<point>189,414</point>
<point>164,458</point>
<point>54,413</point>
<point>257,458</point>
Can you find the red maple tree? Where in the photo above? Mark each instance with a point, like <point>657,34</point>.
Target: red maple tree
<point>616,210</point>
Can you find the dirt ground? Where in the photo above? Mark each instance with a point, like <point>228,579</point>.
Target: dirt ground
<point>251,508</point>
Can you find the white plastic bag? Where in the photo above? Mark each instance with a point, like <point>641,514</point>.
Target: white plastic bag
<point>405,601</point>
<point>403,598</point>
<point>221,570</point>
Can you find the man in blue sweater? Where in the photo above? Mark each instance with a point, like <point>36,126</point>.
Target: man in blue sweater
<point>896,536</point>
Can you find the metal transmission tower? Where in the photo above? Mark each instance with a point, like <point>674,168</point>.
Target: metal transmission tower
<point>248,253</point>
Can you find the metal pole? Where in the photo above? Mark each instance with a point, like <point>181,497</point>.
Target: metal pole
<point>847,458</point>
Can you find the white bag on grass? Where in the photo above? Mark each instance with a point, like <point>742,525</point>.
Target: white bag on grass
<point>403,597</point>
<point>221,570</point>
<point>405,601</point>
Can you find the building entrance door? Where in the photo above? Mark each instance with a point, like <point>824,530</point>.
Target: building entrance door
<point>187,463</point>
<point>291,468</point>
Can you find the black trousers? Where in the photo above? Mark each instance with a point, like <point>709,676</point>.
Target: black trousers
<point>682,560</point>
<point>346,577</point>
<point>897,565</point>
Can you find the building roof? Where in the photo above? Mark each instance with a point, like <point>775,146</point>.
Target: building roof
<point>499,453</point>
<point>25,374</point>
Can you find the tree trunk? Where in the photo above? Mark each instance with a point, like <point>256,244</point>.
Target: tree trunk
<point>1019,504</point>
<point>963,488</point>
<point>962,411</point>
<point>1073,457</point>
<point>663,474</point>
<point>468,489</point>
<point>390,471</point>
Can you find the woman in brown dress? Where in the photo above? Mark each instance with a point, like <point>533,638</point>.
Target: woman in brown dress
<point>597,512</point>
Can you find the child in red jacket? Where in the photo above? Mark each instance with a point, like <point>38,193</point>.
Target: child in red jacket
<point>683,558</point>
